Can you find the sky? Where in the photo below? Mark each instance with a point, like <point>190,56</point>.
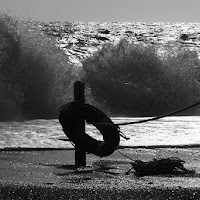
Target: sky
<point>104,10</point>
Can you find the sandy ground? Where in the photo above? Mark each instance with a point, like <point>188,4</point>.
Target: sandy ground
<point>44,174</point>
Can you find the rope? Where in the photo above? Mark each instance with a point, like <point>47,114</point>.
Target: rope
<point>151,119</point>
<point>123,135</point>
<point>169,165</point>
<point>124,155</point>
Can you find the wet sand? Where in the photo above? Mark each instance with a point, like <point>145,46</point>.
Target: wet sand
<point>52,175</point>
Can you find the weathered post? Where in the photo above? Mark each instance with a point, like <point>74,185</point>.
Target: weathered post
<point>79,97</point>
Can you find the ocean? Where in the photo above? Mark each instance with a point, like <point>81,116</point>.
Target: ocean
<point>40,133</point>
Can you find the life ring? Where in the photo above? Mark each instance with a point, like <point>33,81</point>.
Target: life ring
<point>69,116</point>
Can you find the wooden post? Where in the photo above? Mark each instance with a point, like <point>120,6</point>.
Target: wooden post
<point>79,97</point>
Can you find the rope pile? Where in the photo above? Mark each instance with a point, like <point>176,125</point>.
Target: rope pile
<point>170,165</point>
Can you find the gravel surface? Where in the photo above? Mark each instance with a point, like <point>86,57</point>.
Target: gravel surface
<point>52,174</point>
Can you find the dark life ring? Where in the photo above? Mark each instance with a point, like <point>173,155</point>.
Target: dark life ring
<point>71,114</point>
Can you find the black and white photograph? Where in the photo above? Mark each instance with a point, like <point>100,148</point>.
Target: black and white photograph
<point>99,99</point>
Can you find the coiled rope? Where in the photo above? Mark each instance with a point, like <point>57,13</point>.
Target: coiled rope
<point>160,166</point>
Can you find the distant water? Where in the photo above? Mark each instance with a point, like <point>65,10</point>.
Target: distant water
<point>46,133</point>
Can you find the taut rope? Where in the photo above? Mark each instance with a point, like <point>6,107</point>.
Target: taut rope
<point>151,119</point>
